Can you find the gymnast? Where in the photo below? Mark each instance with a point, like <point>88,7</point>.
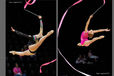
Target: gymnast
<point>35,41</point>
<point>89,34</point>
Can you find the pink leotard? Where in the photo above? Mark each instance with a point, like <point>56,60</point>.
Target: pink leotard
<point>84,37</point>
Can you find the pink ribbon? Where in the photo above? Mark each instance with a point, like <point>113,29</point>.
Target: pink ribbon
<point>104,1</point>
<point>46,64</point>
<point>71,65</point>
<point>60,24</point>
<point>28,3</point>
<point>65,15</point>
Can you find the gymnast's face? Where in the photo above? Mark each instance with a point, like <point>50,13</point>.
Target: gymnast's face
<point>79,44</point>
<point>90,33</point>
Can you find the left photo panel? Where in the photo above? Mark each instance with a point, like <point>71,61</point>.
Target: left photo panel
<point>30,37</point>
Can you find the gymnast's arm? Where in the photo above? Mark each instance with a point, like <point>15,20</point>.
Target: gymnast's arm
<point>21,34</point>
<point>101,30</point>
<point>41,22</point>
<point>87,23</point>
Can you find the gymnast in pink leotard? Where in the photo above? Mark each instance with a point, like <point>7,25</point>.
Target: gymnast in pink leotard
<point>84,37</point>
<point>89,34</point>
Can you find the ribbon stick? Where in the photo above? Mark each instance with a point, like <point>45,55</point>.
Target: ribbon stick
<point>31,12</point>
<point>60,24</point>
<point>99,7</point>
<point>46,64</point>
<point>28,3</point>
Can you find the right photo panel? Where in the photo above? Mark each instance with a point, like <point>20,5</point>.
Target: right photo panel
<point>84,38</point>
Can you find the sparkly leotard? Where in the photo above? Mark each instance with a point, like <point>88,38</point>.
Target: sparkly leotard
<point>84,37</point>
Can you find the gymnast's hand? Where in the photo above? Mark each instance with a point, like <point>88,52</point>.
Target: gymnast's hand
<point>40,17</point>
<point>91,16</point>
<point>107,30</point>
<point>12,29</point>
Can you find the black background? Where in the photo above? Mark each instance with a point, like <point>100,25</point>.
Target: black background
<point>70,32</point>
<point>29,24</point>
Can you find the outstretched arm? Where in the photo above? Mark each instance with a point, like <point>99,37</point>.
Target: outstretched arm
<point>41,25</point>
<point>101,30</point>
<point>21,34</point>
<point>87,23</point>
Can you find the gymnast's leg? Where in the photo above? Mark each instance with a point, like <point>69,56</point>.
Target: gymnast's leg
<point>23,53</point>
<point>22,34</point>
<point>87,43</point>
<point>35,46</point>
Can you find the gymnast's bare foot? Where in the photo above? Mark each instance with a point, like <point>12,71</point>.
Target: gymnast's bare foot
<point>101,37</point>
<point>12,52</point>
<point>50,32</point>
